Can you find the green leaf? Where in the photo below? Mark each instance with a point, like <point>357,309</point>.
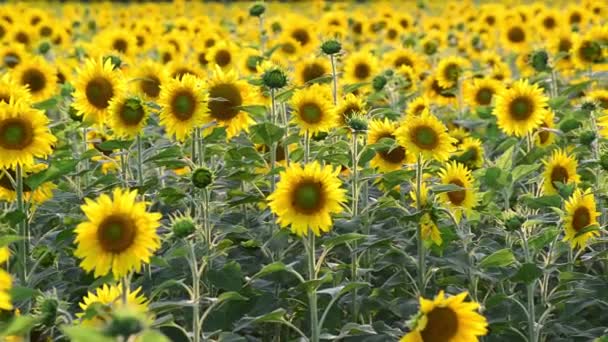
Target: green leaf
<point>558,102</point>
<point>8,239</point>
<point>19,325</point>
<point>229,278</point>
<point>171,195</point>
<point>542,201</point>
<point>266,133</point>
<point>588,229</point>
<point>56,170</point>
<point>255,110</point>
<point>501,258</point>
<point>277,266</point>
<point>47,104</point>
<point>527,273</point>
<point>231,296</point>
<point>285,95</point>
<point>505,161</point>
<point>111,145</point>
<point>20,293</point>
<point>349,88</point>
<point>342,239</point>
<point>521,171</point>
<point>367,155</point>
<point>343,289</point>
<point>439,188</point>
<point>81,333</point>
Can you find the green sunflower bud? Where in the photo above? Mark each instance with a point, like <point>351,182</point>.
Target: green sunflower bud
<point>514,223</point>
<point>124,325</point>
<point>587,138</point>
<point>539,60</point>
<point>46,310</point>
<point>331,47</point>
<point>379,82</point>
<point>358,123</point>
<point>183,227</point>
<point>44,47</point>
<point>588,106</point>
<point>202,177</point>
<point>569,125</point>
<point>274,78</point>
<point>257,10</point>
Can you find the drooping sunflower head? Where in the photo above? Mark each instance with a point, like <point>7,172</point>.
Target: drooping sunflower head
<point>127,116</point>
<point>520,109</point>
<point>312,69</point>
<point>465,198</point>
<point>184,106</point>
<point>306,197</point>
<point>580,214</point>
<point>360,67</point>
<point>427,136</point>
<point>450,70</point>
<point>418,106</point>
<point>313,110</point>
<point>390,159</point>
<point>471,153</point>
<point>544,137</point>
<point>118,235</point>
<point>447,319</point>
<point>227,94</point>
<point>480,92</point>
<point>147,79</point>
<point>350,105</point>
<point>24,135</point>
<point>559,167</point>
<point>109,296</point>
<point>96,85</point>
<point>38,76</point>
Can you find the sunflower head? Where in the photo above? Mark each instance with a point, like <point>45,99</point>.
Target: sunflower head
<point>184,106</point>
<point>313,110</point>
<point>98,306</point>
<point>581,215</point>
<point>331,47</point>
<point>427,136</point>
<point>520,109</point>
<point>560,167</point>
<point>128,116</point>
<point>388,159</point>
<point>463,199</point>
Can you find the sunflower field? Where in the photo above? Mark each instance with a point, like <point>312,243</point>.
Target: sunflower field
<point>412,171</point>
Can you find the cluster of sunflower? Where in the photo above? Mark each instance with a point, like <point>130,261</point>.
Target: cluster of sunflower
<point>148,117</point>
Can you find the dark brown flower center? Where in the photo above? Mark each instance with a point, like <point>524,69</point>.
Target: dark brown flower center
<point>183,105</point>
<point>349,111</point>
<point>581,218</point>
<point>120,45</point>
<point>308,197</point>
<point>458,196</point>
<point>312,71</point>
<point>116,233</point>
<point>559,174</point>
<point>575,18</point>
<point>302,36</point>
<point>225,100</point>
<point>223,58</point>
<point>521,108</point>
<point>5,182</point>
<point>11,59</point>
<point>150,85</point>
<point>425,137</point>
<point>394,156</point>
<point>202,59</point>
<point>180,72</point>
<point>16,134</point>
<point>549,23</point>
<point>288,48</point>
<point>441,326</point>
<point>34,79</point>
<point>543,135</point>
<point>99,92</point>
<point>362,71</point>
<point>451,72</point>
<point>22,38</point>
<point>131,114</point>
<point>311,112</point>
<point>403,60</point>
<point>516,34</point>
<point>484,96</point>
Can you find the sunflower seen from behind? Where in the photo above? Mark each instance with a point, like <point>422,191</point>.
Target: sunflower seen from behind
<point>96,85</point>
<point>559,167</point>
<point>127,116</point>
<point>24,135</point>
<point>38,76</point>
<point>464,199</point>
<point>227,95</point>
<point>306,197</point>
<point>388,159</point>
<point>183,106</point>
<point>109,296</point>
<point>425,135</point>
<point>313,111</point>
<point>580,213</point>
<point>446,319</point>
<point>118,236</point>
<point>520,109</point>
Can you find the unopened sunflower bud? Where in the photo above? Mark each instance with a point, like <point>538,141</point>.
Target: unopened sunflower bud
<point>202,178</point>
<point>257,10</point>
<point>124,325</point>
<point>44,47</point>
<point>539,60</point>
<point>358,123</point>
<point>274,78</point>
<point>331,47</point>
<point>514,223</point>
<point>588,106</point>
<point>183,227</point>
<point>587,138</point>
<point>379,82</point>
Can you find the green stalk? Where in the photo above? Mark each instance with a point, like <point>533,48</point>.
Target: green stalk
<point>196,288</point>
<point>124,284</point>
<point>273,148</point>
<point>530,293</point>
<point>355,213</point>
<point>312,295</point>
<point>140,164</point>
<point>334,78</point>
<point>420,242</point>
<point>23,229</point>
<point>306,147</point>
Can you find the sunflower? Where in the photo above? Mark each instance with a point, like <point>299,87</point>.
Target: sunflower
<point>447,320</point>
<point>222,54</point>
<point>184,106</point>
<point>480,91</point>
<point>360,67</point>
<point>429,229</point>
<point>600,96</point>
<point>11,92</point>
<point>559,167</point>
<point>312,69</point>
<point>544,136</point>
<point>108,158</point>
<point>449,70</point>
<point>96,85</point>
<point>167,53</point>
<point>500,72</point>
<point>119,41</point>
<point>425,135</point>
<point>110,297</point>
<point>585,52</point>
<point>405,57</point>
<point>6,283</point>
<point>177,69</point>
<point>299,28</point>
<point>406,79</point>
<point>227,94</point>
<point>349,106</point>
<point>437,93</point>
<point>306,197</point>
<point>520,109</point>
<point>21,34</point>
<point>38,196</point>
<point>250,59</point>
<point>455,173</point>
<point>127,116</point>
<point>24,135</point>
<point>388,160</point>
<point>312,109</point>
<point>561,44</point>
<point>288,49</point>
<point>470,152</point>
<point>118,236</point>
<point>515,36</point>
<point>38,76</point>
<point>580,213</point>
<point>12,55</point>
<point>147,79</point>
<point>418,106</point>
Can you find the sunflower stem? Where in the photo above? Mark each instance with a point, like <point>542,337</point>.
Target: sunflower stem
<point>262,34</point>
<point>306,147</point>
<point>312,294</point>
<point>334,78</point>
<point>420,242</point>
<point>531,313</point>
<point>86,161</point>
<point>140,165</point>
<point>355,212</point>
<point>196,329</point>
<point>193,147</point>
<point>273,148</point>
<point>23,229</point>
<point>124,284</point>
